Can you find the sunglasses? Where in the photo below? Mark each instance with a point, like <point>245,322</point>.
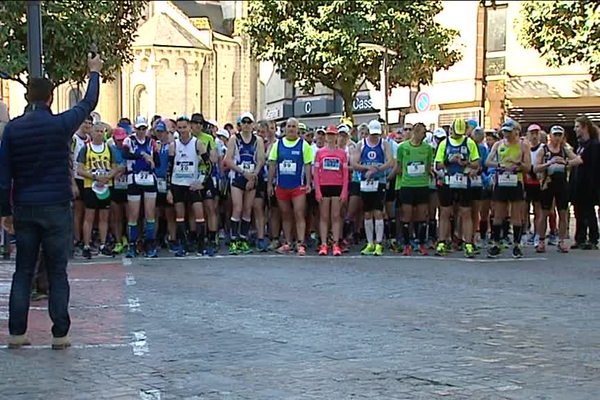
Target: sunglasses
<point>557,133</point>
<point>142,128</point>
<point>246,121</point>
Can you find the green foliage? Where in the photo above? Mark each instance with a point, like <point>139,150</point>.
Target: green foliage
<point>564,32</point>
<point>69,28</point>
<point>318,41</point>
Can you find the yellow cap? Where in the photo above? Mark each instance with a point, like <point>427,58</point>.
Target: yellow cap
<point>459,126</point>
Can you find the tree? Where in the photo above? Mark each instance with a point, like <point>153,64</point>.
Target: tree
<point>317,41</point>
<point>69,29</point>
<point>564,32</point>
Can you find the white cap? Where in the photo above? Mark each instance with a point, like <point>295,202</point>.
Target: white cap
<point>141,121</point>
<point>223,132</point>
<point>343,128</point>
<point>247,115</point>
<point>212,122</point>
<point>374,127</point>
<point>439,133</point>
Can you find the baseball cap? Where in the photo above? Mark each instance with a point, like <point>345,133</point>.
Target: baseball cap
<point>302,127</point>
<point>472,123</point>
<point>374,127</point>
<point>141,121</point>
<point>320,129</point>
<point>160,127</point>
<point>478,129</point>
<point>246,115</point>
<point>223,132</point>
<point>332,129</point>
<point>126,127</point>
<point>119,133</point>
<point>557,130</point>
<point>459,126</point>
<point>344,128</point>
<point>197,118</point>
<point>212,122</point>
<point>534,127</point>
<point>439,133</point>
<point>509,125</point>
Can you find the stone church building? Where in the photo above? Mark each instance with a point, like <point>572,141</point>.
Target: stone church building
<point>188,57</point>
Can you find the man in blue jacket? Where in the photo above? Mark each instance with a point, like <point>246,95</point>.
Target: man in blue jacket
<point>36,184</point>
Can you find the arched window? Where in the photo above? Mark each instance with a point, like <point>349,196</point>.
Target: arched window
<point>140,101</point>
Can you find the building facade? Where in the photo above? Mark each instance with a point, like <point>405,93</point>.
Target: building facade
<point>189,57</point>
<point>497,78</point>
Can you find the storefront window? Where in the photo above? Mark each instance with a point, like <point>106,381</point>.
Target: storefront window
<point>496,29</point>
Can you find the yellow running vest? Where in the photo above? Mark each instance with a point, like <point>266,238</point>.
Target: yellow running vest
<point>98,164</point>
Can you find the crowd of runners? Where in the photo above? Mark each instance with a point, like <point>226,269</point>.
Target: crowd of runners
<point>188,187</point>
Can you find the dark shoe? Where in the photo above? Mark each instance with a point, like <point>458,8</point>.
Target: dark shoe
<point>575,246</point>
<point>494,251</point>
<point>87,253</point>
<point>517,252</point>
<point>586,246</point>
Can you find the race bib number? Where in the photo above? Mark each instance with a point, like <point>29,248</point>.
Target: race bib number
<point>507,179</point>
<point>121,182</point>
<point>415,169</point>
<point>458,181</point>
<point>161,185</point>
<point>287,167</point>
<point>476,181</point>
<point>331,164</point>
<point>144,178</point>
<point>247,167</point>
<point>369,186</point>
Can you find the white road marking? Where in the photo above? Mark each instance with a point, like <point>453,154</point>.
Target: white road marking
<point>134,305</point>
<point>130,280</point>
<point>94,307</point>
<point>140,344</point>
<point>4,315</point>
<point>77,346</point>
<point>127,262</point>
<point>151,394</point>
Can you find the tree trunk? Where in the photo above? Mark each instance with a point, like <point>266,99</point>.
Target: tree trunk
<point>348,97</point>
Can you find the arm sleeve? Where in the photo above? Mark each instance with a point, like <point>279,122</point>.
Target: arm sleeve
<point>170,170</point>
<point>5,175</point>
<point>74,117</point>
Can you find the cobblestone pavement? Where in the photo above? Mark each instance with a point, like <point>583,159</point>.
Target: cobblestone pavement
<point>283,328</point>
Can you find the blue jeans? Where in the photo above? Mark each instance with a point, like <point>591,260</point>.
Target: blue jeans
<point>51,228</point>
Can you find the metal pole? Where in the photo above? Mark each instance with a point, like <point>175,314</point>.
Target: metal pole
<point>386,89</point>
<point>34,39</point>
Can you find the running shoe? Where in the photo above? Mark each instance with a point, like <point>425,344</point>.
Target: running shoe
<point>407,250</point>
<point>244,248</point>
<point>87,252</point>
<point>531,240</point>
<point>284,249</point>
<point>301,250</point>
<point>423,250</point>
<point>275,245</point>
<point>394,247</point>
<point>476,249</point>
<point>552,240</point>
<point>441,249</point>
<point>562,247</point>
<point>210,250</point>
<point>337,250</point>
<point>180,251</point>
<point>105,251</point>
<point>378,250</point>
<point>494,251</point>
<point>575,246</point>
<point>37,296</point>
<point>152,252</point>
<point>541,247</point>
<point>233,248</point>
<point>130,251</point>
<point>173,247</point>
<point>261,245</point>
<point>118,249</point>
<point>345,246</point>
<point>517,251</point>
<point>469,250</point>
<point>323,250</point>
<point>368,250</point>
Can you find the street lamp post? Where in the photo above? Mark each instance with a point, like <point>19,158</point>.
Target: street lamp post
<point>386,82</point>
<point>34,39</point>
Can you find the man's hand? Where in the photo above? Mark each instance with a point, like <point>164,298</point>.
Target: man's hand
<point>7,224</point>
<point>75,190</point>
<point>249,176</point>
<point>307,189</point>
<point>369,174</point>
<point>455,158</point>
<point>270,190</point>
<point>102,180</point>
<point>196,185</point>
<point>250,185</point>
<point>95,64</point>
<point>170,197</point>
